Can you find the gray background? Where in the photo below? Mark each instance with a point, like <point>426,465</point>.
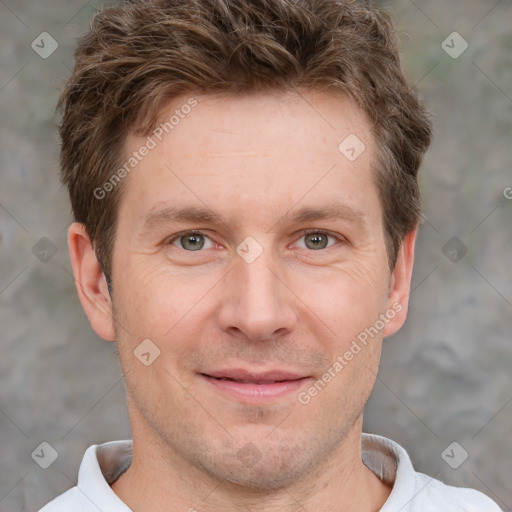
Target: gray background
<point>445,377</point>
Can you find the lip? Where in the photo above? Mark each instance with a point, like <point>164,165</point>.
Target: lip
<point>254,377</point>
<point>255,387</point>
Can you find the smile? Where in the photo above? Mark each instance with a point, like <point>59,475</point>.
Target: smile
<point>255,389</point>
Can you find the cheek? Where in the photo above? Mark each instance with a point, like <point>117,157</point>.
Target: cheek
<point>170,310</point>
<point>346,298</point>
<point>153,301</point>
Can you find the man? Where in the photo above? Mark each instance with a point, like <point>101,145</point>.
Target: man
<point>243,177</point>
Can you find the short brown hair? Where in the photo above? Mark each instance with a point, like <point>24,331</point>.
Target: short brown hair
<point>142,54</point>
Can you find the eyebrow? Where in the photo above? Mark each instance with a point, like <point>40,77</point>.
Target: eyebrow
<point>195,214</point>
<point>190,214</point>
<point>335,211</point>
<point>338,211</point>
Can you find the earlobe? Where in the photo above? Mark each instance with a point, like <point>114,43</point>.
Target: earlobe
<point>400,284</point>
<point>90,282</point>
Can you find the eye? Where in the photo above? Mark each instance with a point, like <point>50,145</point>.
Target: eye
<point>191,241</point>
<point>316,240</point>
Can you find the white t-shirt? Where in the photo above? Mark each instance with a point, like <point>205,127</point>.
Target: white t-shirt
<point>412,491</point>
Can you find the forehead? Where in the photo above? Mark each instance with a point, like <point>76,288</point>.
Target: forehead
<point>254,151</point>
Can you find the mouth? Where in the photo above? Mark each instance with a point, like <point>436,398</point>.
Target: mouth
<point>244,381</point>
<point>251,387</point>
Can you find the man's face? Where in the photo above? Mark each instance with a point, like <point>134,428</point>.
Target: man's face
<point>252,298</point>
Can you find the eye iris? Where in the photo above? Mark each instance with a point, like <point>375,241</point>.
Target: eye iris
<point>192,242</point>
<point>318,241</point>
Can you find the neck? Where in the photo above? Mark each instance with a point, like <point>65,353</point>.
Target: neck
<point>159,481</point>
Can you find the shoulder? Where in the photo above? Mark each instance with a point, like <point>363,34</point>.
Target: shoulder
<point>101,465</point>
<point>73,499</point>
<point>434,495</point>
<point>413,491</point>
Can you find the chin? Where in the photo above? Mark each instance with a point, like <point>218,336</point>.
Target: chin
<point>272,467</point>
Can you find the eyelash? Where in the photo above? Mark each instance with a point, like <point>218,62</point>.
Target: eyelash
<point>303,233</point>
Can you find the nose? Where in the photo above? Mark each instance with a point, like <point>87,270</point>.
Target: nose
<point>257,304</point>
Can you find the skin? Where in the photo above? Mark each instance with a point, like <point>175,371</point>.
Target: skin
<point>254,160</point>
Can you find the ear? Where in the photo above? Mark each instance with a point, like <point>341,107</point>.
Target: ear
<point>400,284</point>
<point>90,282</point>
